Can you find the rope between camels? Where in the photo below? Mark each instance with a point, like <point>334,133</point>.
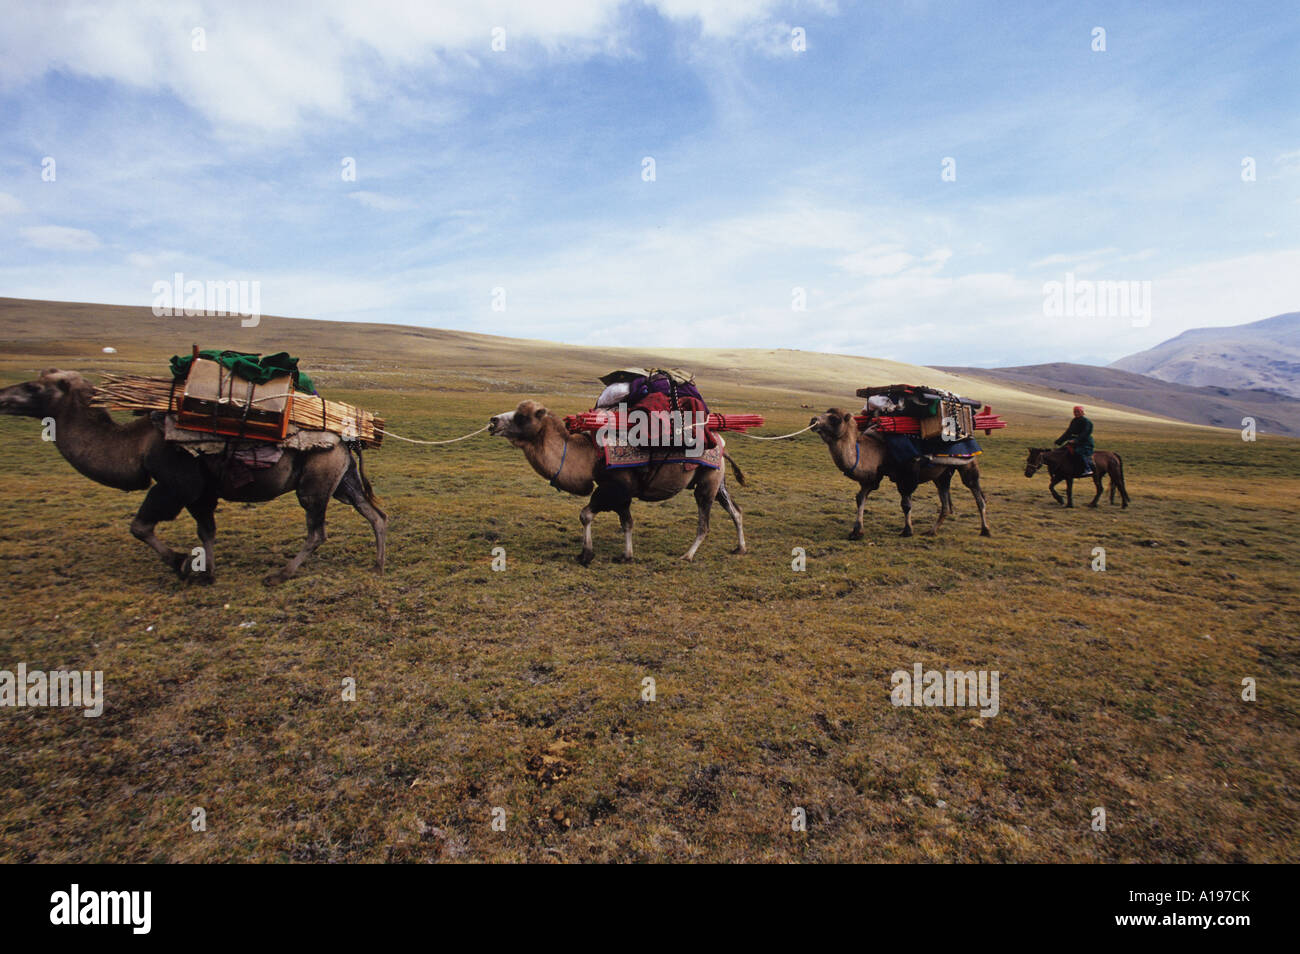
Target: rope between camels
<point>411,440</point>
<point>781,437</point>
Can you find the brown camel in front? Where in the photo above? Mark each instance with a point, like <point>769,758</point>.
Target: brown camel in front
<point>134,456</point>
<point>573,463</point>
<point>862,456</point>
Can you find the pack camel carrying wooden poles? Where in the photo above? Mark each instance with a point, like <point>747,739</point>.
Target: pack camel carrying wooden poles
<point>244,396</point>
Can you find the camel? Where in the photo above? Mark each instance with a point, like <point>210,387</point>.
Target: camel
<point>134,456</point>
<point>574,464</point>
<point>1063,465</point>
<point>862,456</point>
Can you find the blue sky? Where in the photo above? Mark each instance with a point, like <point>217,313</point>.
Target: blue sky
<point>775,169</point>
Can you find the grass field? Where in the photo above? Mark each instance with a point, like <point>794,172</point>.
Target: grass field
<point>522,689</point>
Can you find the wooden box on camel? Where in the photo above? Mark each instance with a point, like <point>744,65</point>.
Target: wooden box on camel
<point>218,401</point>
<point>141,394</point>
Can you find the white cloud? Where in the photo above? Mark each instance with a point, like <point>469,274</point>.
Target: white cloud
<point>9,205</point>
<point>257,72</point>
<point>60,238</point>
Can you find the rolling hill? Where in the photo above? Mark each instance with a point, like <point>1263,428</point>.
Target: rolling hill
<point>1261,354</point>
<point>39,334</point>
<point>1274,413</point>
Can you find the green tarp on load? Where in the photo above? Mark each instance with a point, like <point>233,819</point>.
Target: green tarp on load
<point>250,367</point>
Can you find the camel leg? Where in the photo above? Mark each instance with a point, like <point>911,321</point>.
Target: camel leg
<point>351,492</point>
<point>203,511</point>
<point>705,491</point>
<point>944,483</point>
<point>315,510</point>
<point>159,504</point>
<point>856,532</point>
<point>907,514</point>
<point>733,511</point>
<point>970,476</point>
<point>625,521</point>
<point>586,515</point>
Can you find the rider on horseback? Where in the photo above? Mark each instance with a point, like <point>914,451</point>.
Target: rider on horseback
<point>1078,437</point>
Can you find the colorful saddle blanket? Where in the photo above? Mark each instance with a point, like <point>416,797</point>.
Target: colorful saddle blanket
<point>903,449</point>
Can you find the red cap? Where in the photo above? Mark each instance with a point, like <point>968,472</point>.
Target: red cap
<point>1078,409</point>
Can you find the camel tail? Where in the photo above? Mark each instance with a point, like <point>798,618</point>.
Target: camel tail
<point>366,489</point>
<point>740,474</point>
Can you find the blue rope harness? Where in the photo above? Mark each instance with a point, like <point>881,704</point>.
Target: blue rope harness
<point>555,479</point>
<point>857,456</point>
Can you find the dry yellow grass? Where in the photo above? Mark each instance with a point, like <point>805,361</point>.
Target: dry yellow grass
<point>522,689</point>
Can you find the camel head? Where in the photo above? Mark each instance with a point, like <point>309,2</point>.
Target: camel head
<point>835,425</point>
<point>520,426</point>
<point>1035,460</point>
<point>44,396</point>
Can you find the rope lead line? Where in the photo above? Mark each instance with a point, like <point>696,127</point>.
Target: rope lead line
<point>781,437</point>
<point>411,440</point>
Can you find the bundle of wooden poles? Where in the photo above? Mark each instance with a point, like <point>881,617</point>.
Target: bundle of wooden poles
<point>985,421</point>
<point>140,393</point>
<point>595,420</point>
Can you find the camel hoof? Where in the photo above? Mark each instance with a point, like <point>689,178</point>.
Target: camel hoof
<point>688,558</point>
<point>202,579</point>
<point>273,579</point>
<point>624,558</point>
<point>985,532</point>
<point>855,534</point>
<point>905,532</point>
<point>585,558</point>
<point>739,551</point>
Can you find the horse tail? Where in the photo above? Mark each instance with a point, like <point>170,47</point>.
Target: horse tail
<point>740,474</point>
<point>1119,475</point>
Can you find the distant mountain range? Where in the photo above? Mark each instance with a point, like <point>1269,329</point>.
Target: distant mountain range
<point>1261,354</point>
<point>1219,407</point>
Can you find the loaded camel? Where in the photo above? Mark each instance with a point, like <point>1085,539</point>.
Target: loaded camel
<point>1063,465</point>
<point>862,456</point>
<point>574,464</point>
<point>134,456</point>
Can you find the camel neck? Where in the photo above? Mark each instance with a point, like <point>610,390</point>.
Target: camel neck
<point>97,446</point>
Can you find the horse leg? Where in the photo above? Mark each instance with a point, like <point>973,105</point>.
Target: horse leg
<point>705,491</point>
<point>1069,491</point>
<point>1096,478</point>
<point>350,491</point>
<point>1051,487</point>
<point>733,511</point>
<point>970,476</point>
<point>159,504</point>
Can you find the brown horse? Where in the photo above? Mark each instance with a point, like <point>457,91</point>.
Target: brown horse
<point>1064,465</point>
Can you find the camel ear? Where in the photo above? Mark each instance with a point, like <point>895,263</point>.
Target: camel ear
<point>847,417</point>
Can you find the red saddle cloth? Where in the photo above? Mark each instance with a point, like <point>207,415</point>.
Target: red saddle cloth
<point>692,410</point>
